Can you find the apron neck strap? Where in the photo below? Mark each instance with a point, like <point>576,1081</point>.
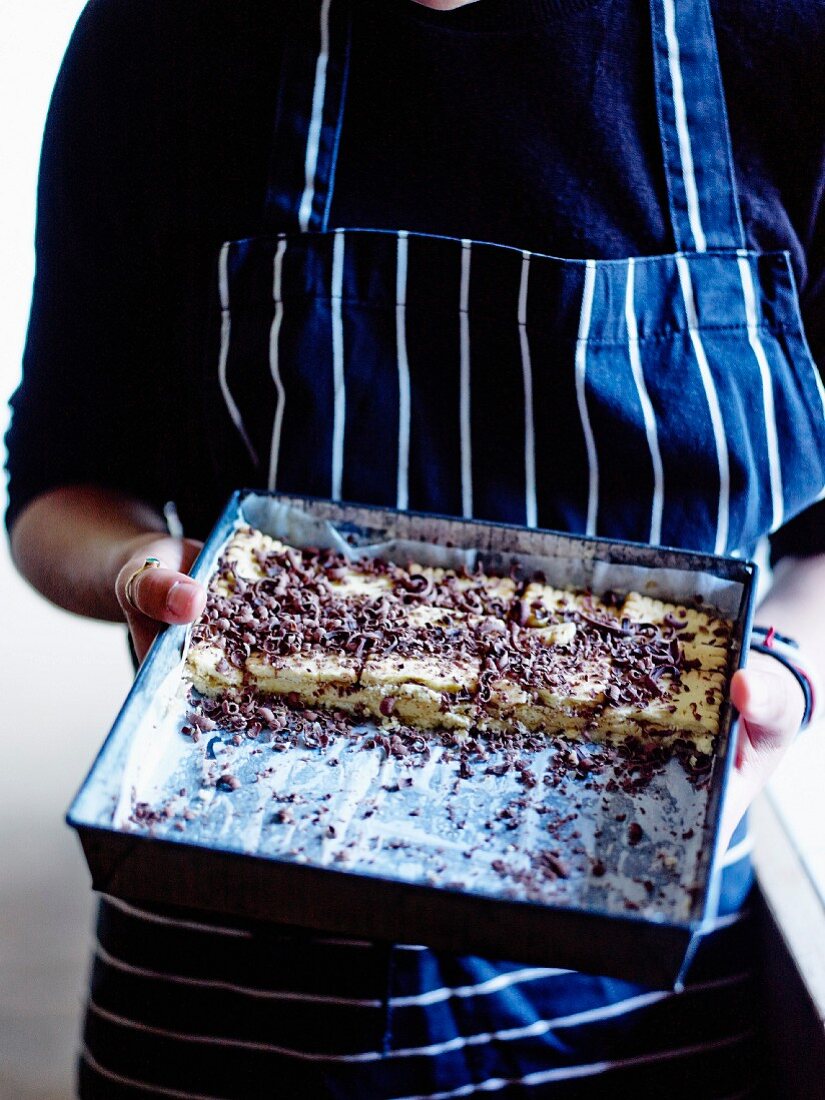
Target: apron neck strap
<point>693,123</point>
<point>309,116</point>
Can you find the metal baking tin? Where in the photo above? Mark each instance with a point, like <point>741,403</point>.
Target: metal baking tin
<point>212,868</point>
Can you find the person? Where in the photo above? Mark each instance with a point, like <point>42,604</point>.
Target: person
<point>320,311</point>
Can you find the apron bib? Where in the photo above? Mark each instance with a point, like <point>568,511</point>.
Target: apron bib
<point>664,399</point>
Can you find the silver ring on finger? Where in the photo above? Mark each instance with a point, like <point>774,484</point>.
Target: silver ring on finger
<point>149,563</point>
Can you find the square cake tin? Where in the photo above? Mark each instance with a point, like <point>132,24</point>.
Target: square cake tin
<point>349,840</point>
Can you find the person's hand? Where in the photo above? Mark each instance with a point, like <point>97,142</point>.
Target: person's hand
<point>771,706</point>
<point>158,595</point>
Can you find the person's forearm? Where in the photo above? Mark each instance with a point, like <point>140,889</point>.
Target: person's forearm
<point>70,544</point>
<point>795,605</point>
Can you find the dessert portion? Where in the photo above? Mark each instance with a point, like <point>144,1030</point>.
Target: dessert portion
<point>430,648</point>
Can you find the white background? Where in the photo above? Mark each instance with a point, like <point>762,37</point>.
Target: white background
<point>61,678</point>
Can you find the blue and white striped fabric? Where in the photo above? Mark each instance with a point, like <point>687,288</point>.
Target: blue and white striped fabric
<point>667,399</point>
<point>433,374</point>
<point>184,1006</point>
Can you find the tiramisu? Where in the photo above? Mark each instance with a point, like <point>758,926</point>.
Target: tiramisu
<point>431,648</point>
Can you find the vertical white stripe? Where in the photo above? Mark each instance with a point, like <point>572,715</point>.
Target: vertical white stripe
<point>243,990</point>
<point>133,1082</point>
<point>338,381</point>
<point>718,424</point>
<point>774,467</point>
<point>402,489</point>
<point>682,132</point>
<point>314,132</point>
<point>591,1069</point>
<point>581,396</point>
<point>466,441</point>
<point>818,379</point>
<point>738,852</point>
<point>530,507</point>
<point>173,523</point>
<point>647,407</point>
<point>274,369</point>
<point>491,985</point>
<point>226,330</point>
<point>714,924</point>
<point>155,918</point>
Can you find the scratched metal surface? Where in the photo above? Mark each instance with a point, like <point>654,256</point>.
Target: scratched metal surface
<point>350,806</point>
<point>417,819</point>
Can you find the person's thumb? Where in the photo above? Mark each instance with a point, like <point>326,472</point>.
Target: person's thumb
<point>770,704</point>
<point>152,590</point>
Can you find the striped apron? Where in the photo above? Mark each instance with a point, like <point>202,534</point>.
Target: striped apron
<point>667,399</point>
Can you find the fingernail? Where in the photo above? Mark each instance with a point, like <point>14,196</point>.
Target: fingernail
<point>179,597</point>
